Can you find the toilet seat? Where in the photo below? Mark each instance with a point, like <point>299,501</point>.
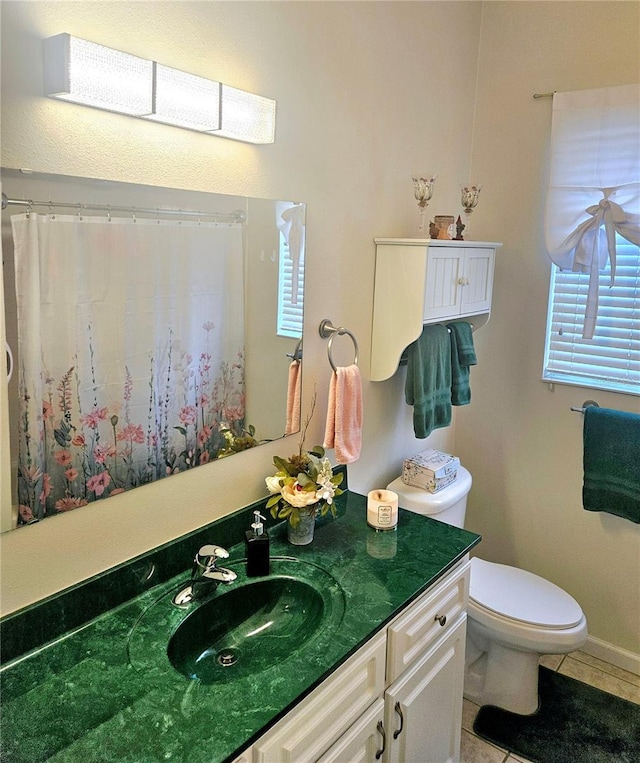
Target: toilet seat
<point>519,595</point>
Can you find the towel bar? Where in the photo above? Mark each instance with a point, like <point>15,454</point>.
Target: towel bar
<point>403,356</point>
<point>586,404</point>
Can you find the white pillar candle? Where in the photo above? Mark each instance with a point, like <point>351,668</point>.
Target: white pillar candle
<point>382,509</point>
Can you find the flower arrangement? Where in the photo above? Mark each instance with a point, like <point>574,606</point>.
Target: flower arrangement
<point>303,483</point>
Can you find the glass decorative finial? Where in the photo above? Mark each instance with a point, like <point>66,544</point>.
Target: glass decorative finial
<point>423,191</point>
<point>469,199</point>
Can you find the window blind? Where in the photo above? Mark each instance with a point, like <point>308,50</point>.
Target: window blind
<point>290,310</point>
<point>611,359</point>
<point>593,196</point>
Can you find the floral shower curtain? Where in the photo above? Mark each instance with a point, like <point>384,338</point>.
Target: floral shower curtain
<point>131,345</point>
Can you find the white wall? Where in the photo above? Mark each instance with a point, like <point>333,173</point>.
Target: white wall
<point>368,94</point>
<point>519,439</point>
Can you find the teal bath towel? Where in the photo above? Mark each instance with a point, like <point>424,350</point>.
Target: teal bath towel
<point>463,355</point>
<point>428,385</point>
<point>612,462</point>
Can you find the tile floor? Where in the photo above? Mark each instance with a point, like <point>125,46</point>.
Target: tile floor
<point>577,665</point>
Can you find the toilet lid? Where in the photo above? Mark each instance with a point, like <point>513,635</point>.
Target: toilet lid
<point>521,595</point>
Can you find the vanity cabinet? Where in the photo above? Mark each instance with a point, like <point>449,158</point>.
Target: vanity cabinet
<point>420,281</point>
<point>397,700</point>
<point>320,719</point>
<point>364,741</point>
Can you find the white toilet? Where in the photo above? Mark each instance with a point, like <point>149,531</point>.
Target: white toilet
<point>513,618</point>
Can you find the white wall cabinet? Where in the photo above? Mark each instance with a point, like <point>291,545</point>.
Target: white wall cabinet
<point>397,700</point>
<point>420,281</point>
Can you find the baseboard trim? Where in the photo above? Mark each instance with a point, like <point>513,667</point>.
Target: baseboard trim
<point>614,655</point>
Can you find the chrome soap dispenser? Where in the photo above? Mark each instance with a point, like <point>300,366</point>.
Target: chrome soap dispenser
<point>257,548</point>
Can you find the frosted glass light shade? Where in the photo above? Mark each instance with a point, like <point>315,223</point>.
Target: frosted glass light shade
<point>185,100</point>
<point>84,72</point>
<point>247,117</point>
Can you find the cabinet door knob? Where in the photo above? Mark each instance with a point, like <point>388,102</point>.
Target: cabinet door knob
<point>398,710</point>
<point>380,752</point>
<point>442,619</point>
<point>461,281</point>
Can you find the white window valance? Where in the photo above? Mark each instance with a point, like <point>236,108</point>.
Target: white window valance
<point>594,184</point>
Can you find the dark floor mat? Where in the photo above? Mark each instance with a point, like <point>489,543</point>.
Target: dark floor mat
<point>574,723</point>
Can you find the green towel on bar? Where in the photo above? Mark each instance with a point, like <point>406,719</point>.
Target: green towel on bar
<point>612,462</point>
<point>428,385</point>
<point>463,355</point>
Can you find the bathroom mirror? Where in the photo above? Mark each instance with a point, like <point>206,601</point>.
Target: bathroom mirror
<point>152,330</point>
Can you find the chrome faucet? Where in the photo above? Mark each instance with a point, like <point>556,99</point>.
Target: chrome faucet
<point>205,575</point>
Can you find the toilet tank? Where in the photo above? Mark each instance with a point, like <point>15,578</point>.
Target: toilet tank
<point>447,505</point>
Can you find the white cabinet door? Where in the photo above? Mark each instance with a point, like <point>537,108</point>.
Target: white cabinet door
<point>459,281</point>
<point>477,280</point>
<point>443,283</point>
<point>423,708</point>
<point>364,742</point>
<point>309,730</point>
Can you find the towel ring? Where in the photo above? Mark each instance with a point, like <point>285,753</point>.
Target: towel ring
<point>328,330</point>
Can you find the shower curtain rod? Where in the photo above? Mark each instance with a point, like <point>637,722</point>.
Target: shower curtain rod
<point>239,216</point>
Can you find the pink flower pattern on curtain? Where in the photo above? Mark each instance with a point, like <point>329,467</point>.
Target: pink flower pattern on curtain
<point>131,345</point>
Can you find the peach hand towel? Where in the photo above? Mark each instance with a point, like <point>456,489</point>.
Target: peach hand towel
<point>343,430</point>
<point>293,398</point>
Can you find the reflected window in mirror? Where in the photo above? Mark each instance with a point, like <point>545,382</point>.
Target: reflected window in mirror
<point>290,269</point>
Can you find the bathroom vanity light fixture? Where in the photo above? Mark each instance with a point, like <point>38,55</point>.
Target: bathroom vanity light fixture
<point>83,72</point>
<point>93,75</point>
<point>185,100</point>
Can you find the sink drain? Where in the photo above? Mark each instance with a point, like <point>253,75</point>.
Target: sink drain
<point>227,657</point>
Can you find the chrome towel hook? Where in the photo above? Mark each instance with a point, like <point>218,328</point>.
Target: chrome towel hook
<point>329,331</point>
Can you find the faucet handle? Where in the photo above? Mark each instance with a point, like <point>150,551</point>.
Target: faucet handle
<point>206,558</point>
<point>211,550</point>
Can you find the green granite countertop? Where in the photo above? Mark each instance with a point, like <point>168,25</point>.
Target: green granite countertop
<point>95,695</point>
